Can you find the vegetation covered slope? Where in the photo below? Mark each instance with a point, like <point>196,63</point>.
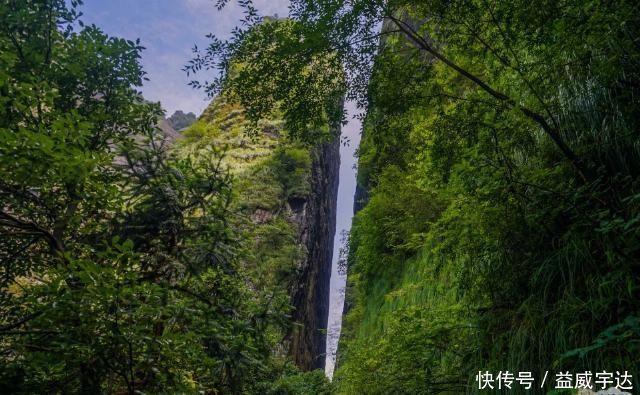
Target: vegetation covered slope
<point>285,202</point>
<point>128,265</point>
<point>484,245</point>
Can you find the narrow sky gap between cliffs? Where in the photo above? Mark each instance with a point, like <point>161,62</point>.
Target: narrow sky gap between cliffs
<point>344,215</point>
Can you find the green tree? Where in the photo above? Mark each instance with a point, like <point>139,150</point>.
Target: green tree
<point>119,264</point>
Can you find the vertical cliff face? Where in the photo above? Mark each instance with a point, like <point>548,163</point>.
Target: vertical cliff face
<point>310,294</point>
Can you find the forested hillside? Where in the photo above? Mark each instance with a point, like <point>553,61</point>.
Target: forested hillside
<point>284,202</point>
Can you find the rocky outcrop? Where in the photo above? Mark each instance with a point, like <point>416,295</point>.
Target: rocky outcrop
<point>179,120</point>
<point>317,224</point>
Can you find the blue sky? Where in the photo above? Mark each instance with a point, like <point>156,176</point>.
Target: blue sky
<point>169,29</point>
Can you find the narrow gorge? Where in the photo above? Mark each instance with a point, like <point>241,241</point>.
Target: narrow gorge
<point>495,245</point>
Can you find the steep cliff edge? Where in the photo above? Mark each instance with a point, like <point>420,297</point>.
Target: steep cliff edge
<point>317,230</point>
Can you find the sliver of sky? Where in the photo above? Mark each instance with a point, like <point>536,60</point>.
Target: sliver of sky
<point>169,29</point>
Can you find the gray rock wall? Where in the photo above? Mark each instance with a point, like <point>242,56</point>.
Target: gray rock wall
<point>310,294</point>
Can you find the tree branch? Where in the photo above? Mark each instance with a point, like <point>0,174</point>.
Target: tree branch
<point>14,222</point>
<point>552,132</point>
<point>24,320</point>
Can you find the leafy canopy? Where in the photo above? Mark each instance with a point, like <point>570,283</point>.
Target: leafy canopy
<point>120,264</point>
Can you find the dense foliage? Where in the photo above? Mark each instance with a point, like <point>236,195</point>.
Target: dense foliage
<point>486,244</point>
<point>501,160</point>
<point>126,263</point>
